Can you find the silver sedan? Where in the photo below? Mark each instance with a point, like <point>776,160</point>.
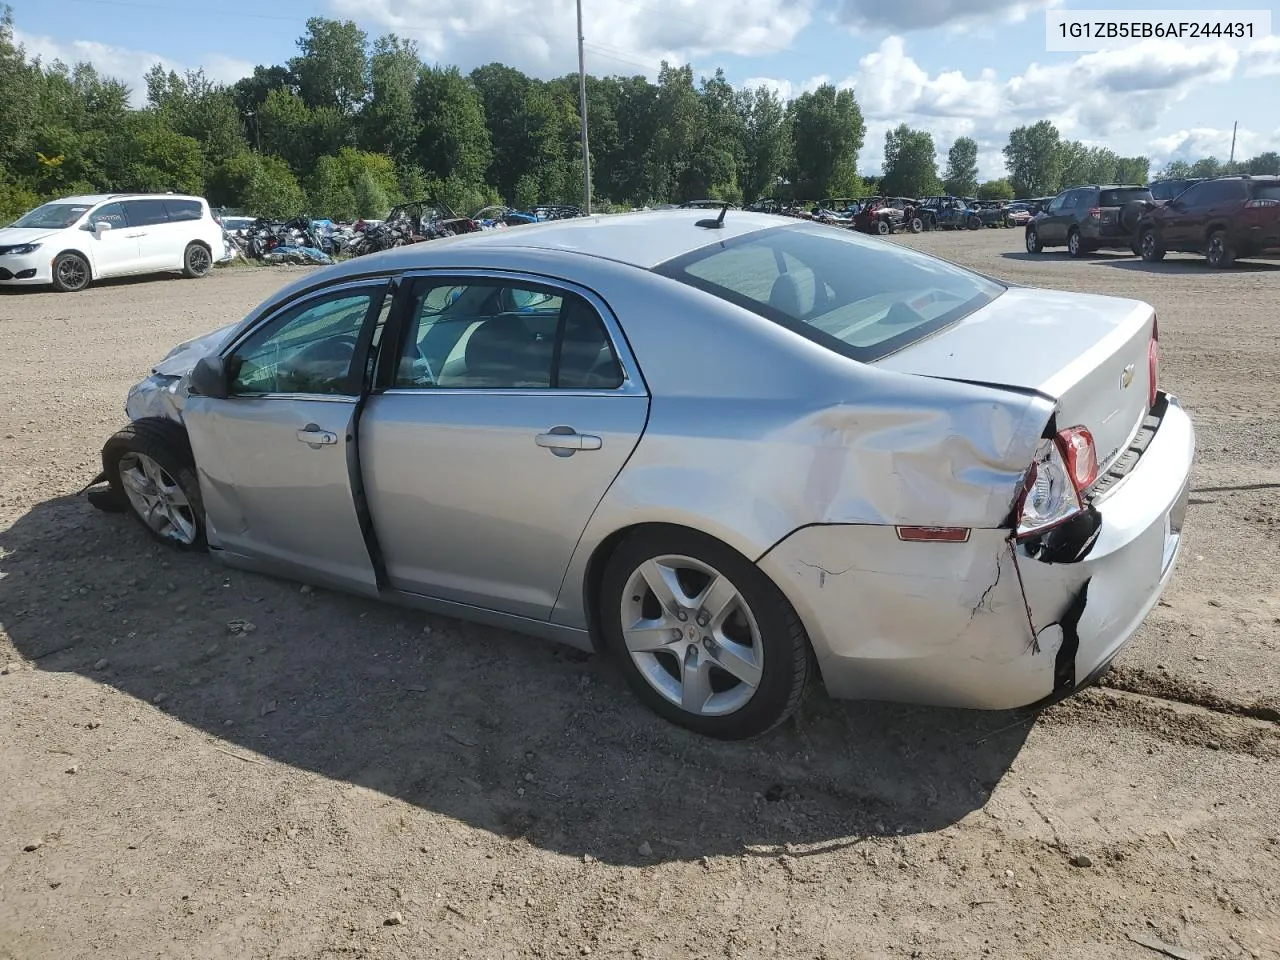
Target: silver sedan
<point>735,452</point>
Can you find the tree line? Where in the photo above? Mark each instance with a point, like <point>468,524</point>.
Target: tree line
<point>349,126</point>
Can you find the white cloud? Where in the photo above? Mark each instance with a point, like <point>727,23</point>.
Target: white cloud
<point>622,36</point>
<point>124,64</point>
<point>1197,142</point>
<point>902,17</point>
<point>1262,59</point>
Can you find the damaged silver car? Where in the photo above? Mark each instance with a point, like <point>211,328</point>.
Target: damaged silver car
<point>733,451</point>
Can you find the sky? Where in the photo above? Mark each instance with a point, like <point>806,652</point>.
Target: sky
<point>953,67</point>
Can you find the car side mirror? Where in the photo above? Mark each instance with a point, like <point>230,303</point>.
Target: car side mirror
<point>101,227</point>
<point>209,378</point>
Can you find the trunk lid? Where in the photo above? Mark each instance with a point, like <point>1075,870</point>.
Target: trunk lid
<point>1087,352</point>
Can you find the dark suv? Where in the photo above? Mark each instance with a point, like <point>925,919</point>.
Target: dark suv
<point>1090,218</point>
<point>1224,218</point>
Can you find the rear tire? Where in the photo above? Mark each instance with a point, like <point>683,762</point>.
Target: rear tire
<point>1218,253</point>
<point>1075,245</point>
<point>762,635</point>
<point>197,261</point>
<point>150,464</point>
<point>916,225</point>
<point>71,273</point>
<point>883,228</point>
<point>974,223</point>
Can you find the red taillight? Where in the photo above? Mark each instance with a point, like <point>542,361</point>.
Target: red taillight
<point>1095,213</point>
<point>1081,456</point>
<point>1153,363</point>
<point>1257,204</point>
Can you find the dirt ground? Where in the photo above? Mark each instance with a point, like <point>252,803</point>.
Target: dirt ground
<point>351,780</point>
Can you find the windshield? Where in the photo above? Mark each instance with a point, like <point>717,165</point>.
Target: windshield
<point>53,216</point>
<point>862,298</point>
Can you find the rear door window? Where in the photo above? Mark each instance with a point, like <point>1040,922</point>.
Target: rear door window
<point>1267,190</point>
<point>145,213</point>
<point>1224,191</point>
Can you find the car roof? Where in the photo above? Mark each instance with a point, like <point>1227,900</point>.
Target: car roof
<point>643,239</point>
<point>92,198</point>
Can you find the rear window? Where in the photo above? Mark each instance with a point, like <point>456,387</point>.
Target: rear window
<point>860,297</point>
<point>183,209</point>
<point>1267,191</point>
<point>1118,198</point>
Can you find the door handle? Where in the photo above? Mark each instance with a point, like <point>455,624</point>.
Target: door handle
<point>566,438</point>
<point>313,435</point>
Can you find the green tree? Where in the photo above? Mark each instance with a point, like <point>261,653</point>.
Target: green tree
<point>1033,157</point>
<point>372,202</point>
<point>910,163</point>
<point>146,155</point>
<point>196,107</point>
<point>1265,164</point>
<point>1136,170</point>
<point>454,141</point>
<point>332,70</point>
<point>388,121</point>
<point>337,184</point>
<point>766,141</point>
<point>21,83</point>
<point>961,177</point>
<point>298,133</point>
<point>1207,167</point>
<point>995,190</point>
<point>827,132</point>
<point>1176,170</point>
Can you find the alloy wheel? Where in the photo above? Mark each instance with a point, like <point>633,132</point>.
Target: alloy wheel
<point>199,260</point>
<point>72,273</point>
<point>692,636</point>
<point>157,498</point>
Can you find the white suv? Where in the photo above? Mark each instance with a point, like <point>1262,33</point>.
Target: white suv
<point>70,242</point>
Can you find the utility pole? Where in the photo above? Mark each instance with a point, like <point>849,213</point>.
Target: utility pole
<point>1231,161</point>
<point>582,106</point>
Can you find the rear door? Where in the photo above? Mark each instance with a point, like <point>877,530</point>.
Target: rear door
<point>150,221</point>
<point>276,457</point>
<point>491,439</point>
<point>1259,221</point>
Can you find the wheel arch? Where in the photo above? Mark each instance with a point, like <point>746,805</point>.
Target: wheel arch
<point>83,255</point>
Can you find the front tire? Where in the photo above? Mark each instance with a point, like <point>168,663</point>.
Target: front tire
<point>1149,247</point>
<point>1218,253</point>
<point>197,261</point>
<point>917,225</point>
<point>882,227</point>
<point>1033,241</point>
<point>974,223</point>
<point>70,273</point>
<point>704,638</point>
<point>151,464</point>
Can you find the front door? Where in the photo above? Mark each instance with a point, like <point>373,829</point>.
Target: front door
<point>512,407</point>
<point>1052,227</point>
<point>1180,218</point>
<point>277,456</point>
<point>114,251</point>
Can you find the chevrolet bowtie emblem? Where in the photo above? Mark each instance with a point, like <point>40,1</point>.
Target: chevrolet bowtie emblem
<point>1126,377</point>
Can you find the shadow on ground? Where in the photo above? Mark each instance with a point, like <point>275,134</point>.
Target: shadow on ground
<point>508,734</point>
<point>1126,261</point>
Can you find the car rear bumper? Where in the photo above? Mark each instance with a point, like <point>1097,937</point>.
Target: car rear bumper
<point>988,623</point>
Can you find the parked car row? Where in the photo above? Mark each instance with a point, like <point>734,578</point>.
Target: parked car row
<point>1222,218</point>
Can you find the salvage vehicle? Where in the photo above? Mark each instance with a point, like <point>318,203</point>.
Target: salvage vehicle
<point>730,450</point>
<point>878,215</point>
<point>429,220</point>
<point>1223,219</point>
<point>70,243</point>
<point>1088,218</point>
<point>706,205</point>
<point>951,213</point>
<point>1019,213</point>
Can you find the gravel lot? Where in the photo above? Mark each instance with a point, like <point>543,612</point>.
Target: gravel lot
<point>351,780</point>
